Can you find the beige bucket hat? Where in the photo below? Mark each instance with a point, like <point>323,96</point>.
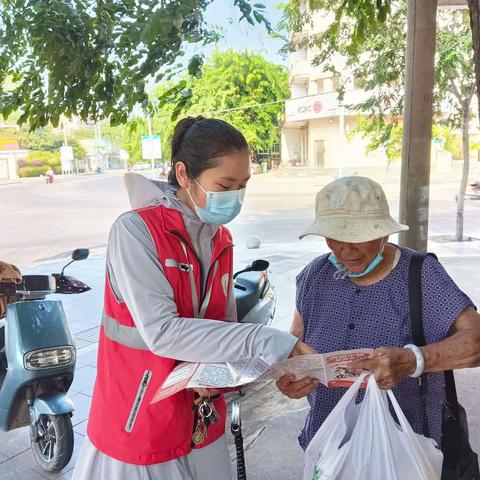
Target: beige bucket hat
<point>354,210</point>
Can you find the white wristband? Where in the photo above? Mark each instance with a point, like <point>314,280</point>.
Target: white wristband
<point>420,360</point>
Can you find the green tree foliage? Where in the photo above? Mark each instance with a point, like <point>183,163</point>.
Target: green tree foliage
<point>455,80</point>
<point>474,13</point>
<point>376,54</point>
<point>353,22</point>
<point>92,59</point>
<point>379,59</point>
<point>239,87</point>
<point>365,17</point>
<point>455,71</point>
<point>41,139</point>
<point>78,150</point>
<point>380,135</point>
<point>47,140</point>
<point>450,140</point>
<point>128,137</point>
<point>37,163</point>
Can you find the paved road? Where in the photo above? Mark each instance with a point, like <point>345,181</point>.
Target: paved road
<point>45,222</point>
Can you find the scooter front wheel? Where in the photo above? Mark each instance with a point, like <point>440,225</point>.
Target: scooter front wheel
<point>52,441</point>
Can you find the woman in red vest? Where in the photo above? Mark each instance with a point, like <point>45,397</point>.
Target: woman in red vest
<point>169,298</point>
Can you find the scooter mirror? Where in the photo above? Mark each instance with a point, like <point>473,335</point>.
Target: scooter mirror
<point>80,254</point>
<point>77,254</point>
<point>256,266</point>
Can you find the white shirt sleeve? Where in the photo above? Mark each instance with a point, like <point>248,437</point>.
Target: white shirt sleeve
<point>137,277</point>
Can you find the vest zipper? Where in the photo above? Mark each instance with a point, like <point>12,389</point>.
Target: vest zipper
<point>189,245</point>
<point>212,263</point>
<point>142,389</point>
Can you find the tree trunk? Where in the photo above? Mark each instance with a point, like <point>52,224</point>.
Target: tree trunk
<point>465,170</point>
<point>417,129</point>
<point>474,9</point>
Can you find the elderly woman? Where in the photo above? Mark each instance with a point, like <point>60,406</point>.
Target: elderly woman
<point>357,297</point>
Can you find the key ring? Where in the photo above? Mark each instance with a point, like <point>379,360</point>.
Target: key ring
<point>205,406</point>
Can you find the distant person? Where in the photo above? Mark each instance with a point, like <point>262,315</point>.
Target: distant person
<point>49,175</point>
<point>169,298</point>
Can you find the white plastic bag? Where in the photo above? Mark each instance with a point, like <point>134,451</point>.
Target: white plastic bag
<point>363,441</point>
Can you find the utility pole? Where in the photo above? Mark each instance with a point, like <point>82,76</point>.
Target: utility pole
<point>417,127</point>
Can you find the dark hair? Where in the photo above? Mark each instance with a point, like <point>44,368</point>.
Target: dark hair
<point>199,141</point>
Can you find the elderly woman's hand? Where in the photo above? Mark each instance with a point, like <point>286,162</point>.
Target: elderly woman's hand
<point>291,387</point>
<point>390,365</point>
<point>296,389</point>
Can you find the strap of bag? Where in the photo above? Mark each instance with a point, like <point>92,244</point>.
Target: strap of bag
<point>418,333</point>
<point>415,298</point>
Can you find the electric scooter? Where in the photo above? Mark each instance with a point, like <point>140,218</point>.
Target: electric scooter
<point>37,364</point>
<point>236,429</point>
<point>256,303</point>
<point>254,294</point>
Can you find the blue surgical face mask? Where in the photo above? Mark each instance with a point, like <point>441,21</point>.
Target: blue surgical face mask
<point>343,272</point>
<point>221,207</point>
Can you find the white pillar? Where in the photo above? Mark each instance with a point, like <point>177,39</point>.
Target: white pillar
<point>149,122</point>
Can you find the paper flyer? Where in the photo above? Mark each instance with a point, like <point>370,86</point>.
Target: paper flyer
<point>330,369</point>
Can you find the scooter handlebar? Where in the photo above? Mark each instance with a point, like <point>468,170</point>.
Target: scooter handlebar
<point>8,289</point>
<point>69,285</point>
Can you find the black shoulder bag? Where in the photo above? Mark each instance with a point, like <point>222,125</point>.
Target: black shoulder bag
<point>460,462</point>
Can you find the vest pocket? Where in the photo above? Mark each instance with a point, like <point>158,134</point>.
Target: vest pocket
<point>137,403</point>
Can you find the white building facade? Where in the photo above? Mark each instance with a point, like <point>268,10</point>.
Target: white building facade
<point>317,130</point>
<point>9,164</point>
<point>10,154</point>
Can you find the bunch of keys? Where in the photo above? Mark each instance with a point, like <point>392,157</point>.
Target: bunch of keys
<point>206,416</point>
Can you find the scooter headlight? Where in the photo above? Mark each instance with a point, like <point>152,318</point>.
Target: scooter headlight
<point>49,358</point>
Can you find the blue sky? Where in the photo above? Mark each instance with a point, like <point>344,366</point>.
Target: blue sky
<point>243,35</point>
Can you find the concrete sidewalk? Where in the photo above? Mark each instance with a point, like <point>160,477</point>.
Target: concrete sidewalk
<point>271,421</point>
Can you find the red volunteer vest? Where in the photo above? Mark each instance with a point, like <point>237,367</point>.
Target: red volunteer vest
<point>122,423</point>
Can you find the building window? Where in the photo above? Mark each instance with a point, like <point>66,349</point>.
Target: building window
<point>299,90</point>
<point>320,85</point>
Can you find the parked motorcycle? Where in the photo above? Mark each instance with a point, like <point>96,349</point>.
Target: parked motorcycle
<point>256,301</point>
<point>37,363</point>
<point>254,294</point>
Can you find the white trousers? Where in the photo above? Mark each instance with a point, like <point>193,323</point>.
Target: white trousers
<point>208,463</point>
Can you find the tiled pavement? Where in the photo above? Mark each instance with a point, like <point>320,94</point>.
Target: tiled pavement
<point>84,312</point>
